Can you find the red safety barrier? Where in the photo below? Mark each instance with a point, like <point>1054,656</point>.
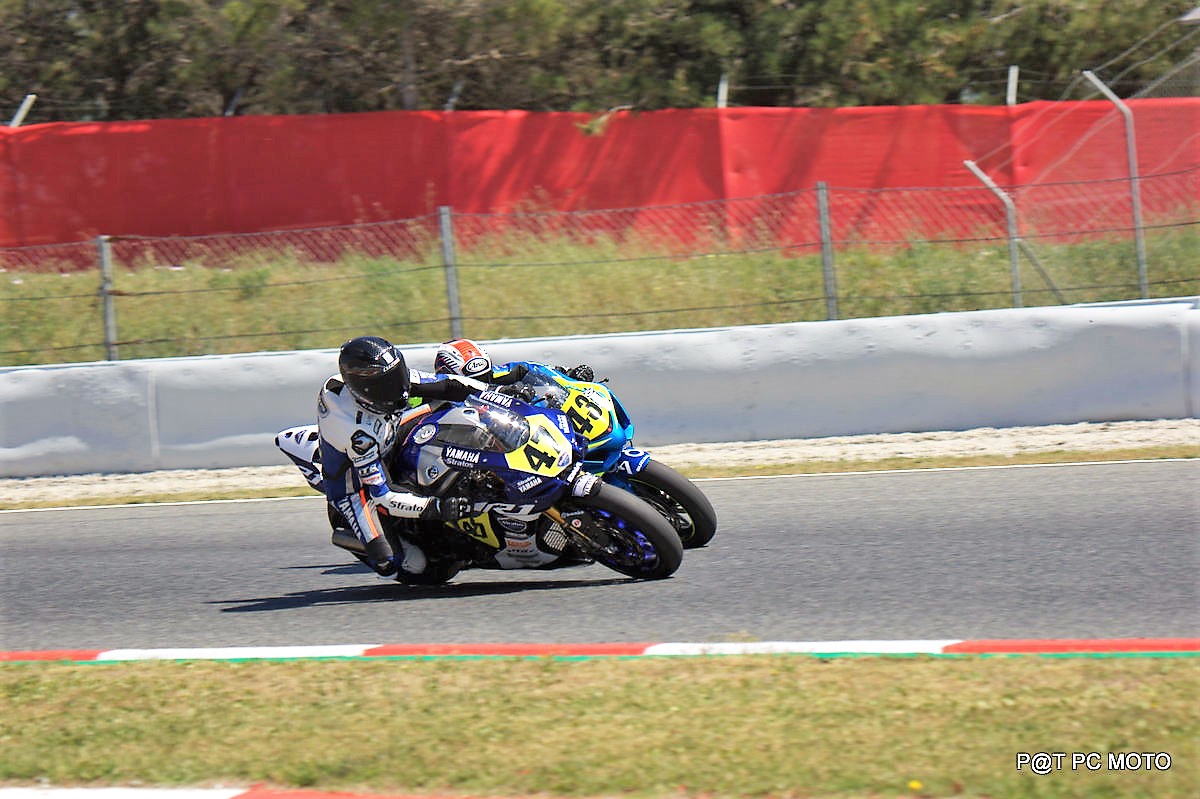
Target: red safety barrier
<point>68,182</point>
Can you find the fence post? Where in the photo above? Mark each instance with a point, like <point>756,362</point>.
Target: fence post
<point>1135,189</point>
<point>106,295</point>
<point>831,292</point>
<point>446,230</point>
<point>1010,215</point>
<point>19,117</point>
<point>1010,93</point>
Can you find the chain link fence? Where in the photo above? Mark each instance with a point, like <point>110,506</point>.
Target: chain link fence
<point>822,253</point>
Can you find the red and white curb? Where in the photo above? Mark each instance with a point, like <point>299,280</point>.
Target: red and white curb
<point>954,646</point>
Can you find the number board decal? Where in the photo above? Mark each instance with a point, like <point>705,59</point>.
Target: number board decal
<point>541,453</point>
<point>589,412</point>
<point>480,528</point>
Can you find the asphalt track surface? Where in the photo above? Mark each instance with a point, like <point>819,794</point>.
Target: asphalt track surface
<point>1077,551</point>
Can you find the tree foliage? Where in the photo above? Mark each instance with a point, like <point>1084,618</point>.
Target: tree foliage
<point>131,59</point>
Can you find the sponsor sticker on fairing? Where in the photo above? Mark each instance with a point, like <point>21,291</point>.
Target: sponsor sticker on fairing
<point>520,548</point>
<point>513,525</point>
<point>529,483</point>
<point>497,398</point>
<point>424,433</point>
<point>632,461</point>
<point>461,458</point>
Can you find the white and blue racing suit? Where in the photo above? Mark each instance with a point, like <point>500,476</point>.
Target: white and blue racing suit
<point>355,443</point>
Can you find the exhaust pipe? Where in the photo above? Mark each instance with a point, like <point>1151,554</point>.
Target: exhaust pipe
<point>347,540</point>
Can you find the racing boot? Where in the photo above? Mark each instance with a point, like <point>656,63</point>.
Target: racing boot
<point>381,558</point>
<point>412,558</point>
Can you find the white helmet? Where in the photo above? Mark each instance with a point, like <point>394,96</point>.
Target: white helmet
<point>463,357</point>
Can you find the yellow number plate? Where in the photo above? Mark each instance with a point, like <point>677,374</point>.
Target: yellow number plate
<point>541,452</point>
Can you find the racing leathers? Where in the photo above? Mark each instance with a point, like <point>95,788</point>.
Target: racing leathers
<point>507,374</point>
<point>355,443</point>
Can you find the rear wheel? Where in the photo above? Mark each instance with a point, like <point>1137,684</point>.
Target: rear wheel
<point>679,501</point>
<point>623,533</point>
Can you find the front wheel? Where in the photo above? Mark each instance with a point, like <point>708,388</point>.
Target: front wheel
<point>678,500</point>
<point>625,534</point>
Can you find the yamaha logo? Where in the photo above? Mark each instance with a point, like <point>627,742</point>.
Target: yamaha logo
<point>424,433</point>
<point>461,458</point>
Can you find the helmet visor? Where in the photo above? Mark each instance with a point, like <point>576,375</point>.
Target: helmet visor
<point>381,391</point>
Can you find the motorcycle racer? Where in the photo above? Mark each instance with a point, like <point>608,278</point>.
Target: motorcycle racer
<point>462,356</point>
<point>363,412</point>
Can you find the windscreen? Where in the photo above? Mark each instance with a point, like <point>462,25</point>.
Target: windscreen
<point>545,386</point>
<point>506,431</point>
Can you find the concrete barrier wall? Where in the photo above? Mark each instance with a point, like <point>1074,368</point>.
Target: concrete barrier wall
<point>951,371</point>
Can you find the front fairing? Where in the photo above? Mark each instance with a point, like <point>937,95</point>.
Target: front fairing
<point>592,409</point>
<point>530,448</point>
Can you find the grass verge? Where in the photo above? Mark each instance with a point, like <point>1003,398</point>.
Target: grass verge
<point>767,726</point>
<point>218,301</point>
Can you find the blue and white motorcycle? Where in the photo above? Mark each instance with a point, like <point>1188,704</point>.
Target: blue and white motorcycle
<point>535,503</point>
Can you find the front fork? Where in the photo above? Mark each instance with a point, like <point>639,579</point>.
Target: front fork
<point>627,462</point>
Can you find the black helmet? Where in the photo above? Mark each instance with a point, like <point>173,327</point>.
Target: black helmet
<point>375,372</point>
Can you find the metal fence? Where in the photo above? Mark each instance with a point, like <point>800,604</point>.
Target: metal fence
<point>822,253</point>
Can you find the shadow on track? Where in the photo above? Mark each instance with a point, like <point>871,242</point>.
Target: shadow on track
<point>394,592</point>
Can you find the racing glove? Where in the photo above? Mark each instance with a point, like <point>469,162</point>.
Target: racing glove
<point>447,509</point>
<point>582,372</point>
<point>520,391</point>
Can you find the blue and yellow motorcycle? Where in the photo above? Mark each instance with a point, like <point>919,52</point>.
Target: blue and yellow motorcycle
<point>596,414</point>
